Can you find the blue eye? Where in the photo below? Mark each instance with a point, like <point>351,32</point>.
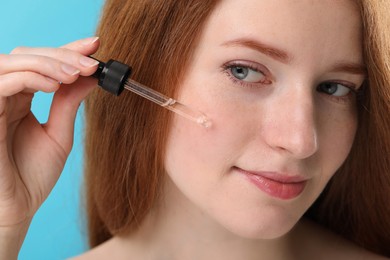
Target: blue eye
<point>334,89</point>
<point>246,74</point>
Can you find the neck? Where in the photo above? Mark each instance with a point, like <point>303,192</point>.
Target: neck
<point>177,229</point>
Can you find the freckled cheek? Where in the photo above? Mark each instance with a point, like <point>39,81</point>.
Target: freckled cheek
<point>212,150</point>
<point>228,114</point>
<point>196,144</point>
<point>337,140</point>
<point>195,159</point>
<point>335,136</point>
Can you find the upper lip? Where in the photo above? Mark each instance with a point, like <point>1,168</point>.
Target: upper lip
<point>281,177</point>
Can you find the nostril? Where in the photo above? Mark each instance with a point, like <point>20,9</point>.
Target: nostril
<point>299,142</point>
<point>305,144</point>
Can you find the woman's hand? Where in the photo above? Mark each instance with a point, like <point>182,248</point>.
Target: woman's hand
<point>32,155</point>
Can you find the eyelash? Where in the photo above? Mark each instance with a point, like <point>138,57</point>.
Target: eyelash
<point>354,93</point>
<point>226,68</point>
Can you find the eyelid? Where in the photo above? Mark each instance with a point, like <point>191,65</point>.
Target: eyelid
<point>253,66</point>
<point>353,94</point>
<point>355,89</point>
<point>249,64</point>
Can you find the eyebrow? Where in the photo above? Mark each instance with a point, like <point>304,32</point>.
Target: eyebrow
<point>350,67</point>
<point>268,50</point>
<point>284,57</point>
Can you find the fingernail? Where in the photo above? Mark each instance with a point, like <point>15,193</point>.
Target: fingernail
<point>70,70</point>
<point>89,41</point>
<point>88,62</point>
<point>52,81</point>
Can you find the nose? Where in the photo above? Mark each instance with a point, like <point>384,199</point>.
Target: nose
<point>290,123</point>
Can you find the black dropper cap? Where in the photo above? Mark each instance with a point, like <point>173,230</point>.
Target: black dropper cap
<point>112,76</point>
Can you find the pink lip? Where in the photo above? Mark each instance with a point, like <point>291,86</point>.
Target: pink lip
<point>275,184</point>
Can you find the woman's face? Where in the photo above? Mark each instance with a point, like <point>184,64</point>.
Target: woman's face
<point>277,79</point>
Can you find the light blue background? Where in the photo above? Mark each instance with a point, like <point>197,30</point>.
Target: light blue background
<point>58,229</point>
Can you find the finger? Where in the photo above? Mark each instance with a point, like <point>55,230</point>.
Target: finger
<point>73,54</point>
<point>66,101</point>
<point>46,66</point>
<point>85,65</point>
<point>29,82</point>
<point>36,61</point>
<point>85,46</point>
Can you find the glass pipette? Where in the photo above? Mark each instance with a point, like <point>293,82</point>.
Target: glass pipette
<point>114,76</point>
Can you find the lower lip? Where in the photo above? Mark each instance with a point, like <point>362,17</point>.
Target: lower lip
<point>275,188</point>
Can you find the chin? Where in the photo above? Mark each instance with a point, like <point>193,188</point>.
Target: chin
<point>261,232</point>
<point>263,225</point>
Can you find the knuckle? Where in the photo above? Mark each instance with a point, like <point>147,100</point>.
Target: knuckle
<point>23,77</point>
<point>41,61</point>
<point>46,65</point>
<point>20,79</point>
<point>63,52</point>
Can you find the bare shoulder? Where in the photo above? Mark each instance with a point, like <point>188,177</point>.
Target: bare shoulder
<point>111,249</point>
<point>321,243</point>
<point>99,252</point>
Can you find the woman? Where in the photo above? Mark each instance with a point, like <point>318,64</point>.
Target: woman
<point>298,93</point>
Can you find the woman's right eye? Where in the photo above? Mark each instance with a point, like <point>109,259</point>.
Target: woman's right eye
<point>246,74</point>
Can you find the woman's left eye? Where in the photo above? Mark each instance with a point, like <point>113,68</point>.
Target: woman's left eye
<point>334,89</point>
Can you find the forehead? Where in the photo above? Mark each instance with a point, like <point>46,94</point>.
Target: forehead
<point>330,27</point>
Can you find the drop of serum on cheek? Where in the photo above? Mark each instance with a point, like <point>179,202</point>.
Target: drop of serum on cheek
<point>187,112</point>
<point>114,76</point>
<point>204,121</point>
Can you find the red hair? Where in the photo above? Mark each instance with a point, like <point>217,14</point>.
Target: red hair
<point>356,202</point>
<point>125,136</point>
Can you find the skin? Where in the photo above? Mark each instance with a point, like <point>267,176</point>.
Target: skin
<point>32,155</point>
<point>208,209</point>
<point>281,126</point>
<point>280,123</point>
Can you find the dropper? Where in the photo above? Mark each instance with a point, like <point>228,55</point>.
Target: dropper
<point>114,76</point>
